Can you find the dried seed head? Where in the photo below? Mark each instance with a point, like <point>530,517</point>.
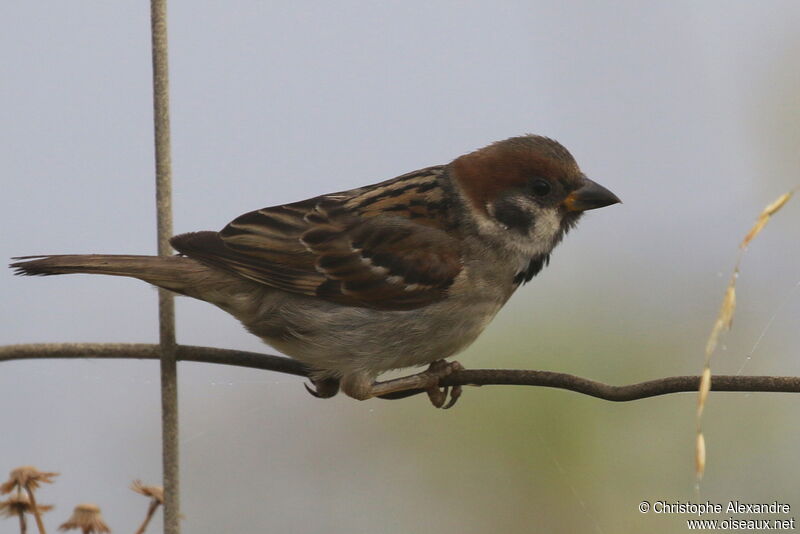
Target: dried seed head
<point>26,477</point>
<point>700,456</point>
<point>154,492</point>
<point>87,518</point>
<point>705,387</point>
<point>725,317</point>
<point>19,504</point>
<point>763,219</point>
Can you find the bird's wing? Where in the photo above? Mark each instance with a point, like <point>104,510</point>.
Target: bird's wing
<point>381,247</point>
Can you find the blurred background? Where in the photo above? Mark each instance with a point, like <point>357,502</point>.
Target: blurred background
<point>689,111</point>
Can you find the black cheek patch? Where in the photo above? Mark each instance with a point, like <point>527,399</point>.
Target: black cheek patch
<point>512,215</point>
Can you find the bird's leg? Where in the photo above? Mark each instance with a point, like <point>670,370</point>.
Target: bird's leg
<point>362,387</point>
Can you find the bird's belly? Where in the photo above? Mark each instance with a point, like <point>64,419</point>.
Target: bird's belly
<point>339,340</point>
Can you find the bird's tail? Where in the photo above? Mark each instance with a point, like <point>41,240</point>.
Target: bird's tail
<point>175,273</point>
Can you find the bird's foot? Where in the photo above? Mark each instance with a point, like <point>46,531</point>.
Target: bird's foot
<point>362,387</point>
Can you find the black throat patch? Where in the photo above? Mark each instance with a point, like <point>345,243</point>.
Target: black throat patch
<point>536,264</point>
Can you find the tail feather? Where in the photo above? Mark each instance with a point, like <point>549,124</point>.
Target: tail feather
<point>172,272</point>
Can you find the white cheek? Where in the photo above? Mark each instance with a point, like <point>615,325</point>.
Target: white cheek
<point>540,238</point>
<point>546,226</point>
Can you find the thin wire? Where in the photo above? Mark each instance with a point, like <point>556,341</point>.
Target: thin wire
<point>166,303</point>
<point>476,377</point>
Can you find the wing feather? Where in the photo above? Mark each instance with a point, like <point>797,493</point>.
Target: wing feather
<point>384,246</point>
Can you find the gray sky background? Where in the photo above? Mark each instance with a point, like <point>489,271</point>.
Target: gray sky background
<point>689,111</point>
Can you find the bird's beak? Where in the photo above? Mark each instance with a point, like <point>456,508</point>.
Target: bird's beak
<point>589,196</point>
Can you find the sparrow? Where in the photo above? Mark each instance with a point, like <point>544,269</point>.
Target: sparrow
<point>397,274</point>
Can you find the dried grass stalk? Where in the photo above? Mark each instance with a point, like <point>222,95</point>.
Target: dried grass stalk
<point>724,322</point>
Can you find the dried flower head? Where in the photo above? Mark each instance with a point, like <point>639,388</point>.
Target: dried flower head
<point>154,492</point>
<point>26,477</point>
<point>19,504</point>
<point>87,518</point>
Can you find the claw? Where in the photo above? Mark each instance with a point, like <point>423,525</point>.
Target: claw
<point>324,388</point>
<point>312,391</point>
<point>455,394</point>
<point>438,395</point>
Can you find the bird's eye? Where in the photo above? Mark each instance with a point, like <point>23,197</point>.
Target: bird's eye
<point>540,187</point>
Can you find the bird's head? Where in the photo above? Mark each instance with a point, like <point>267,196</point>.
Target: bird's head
<point>526,191</point>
